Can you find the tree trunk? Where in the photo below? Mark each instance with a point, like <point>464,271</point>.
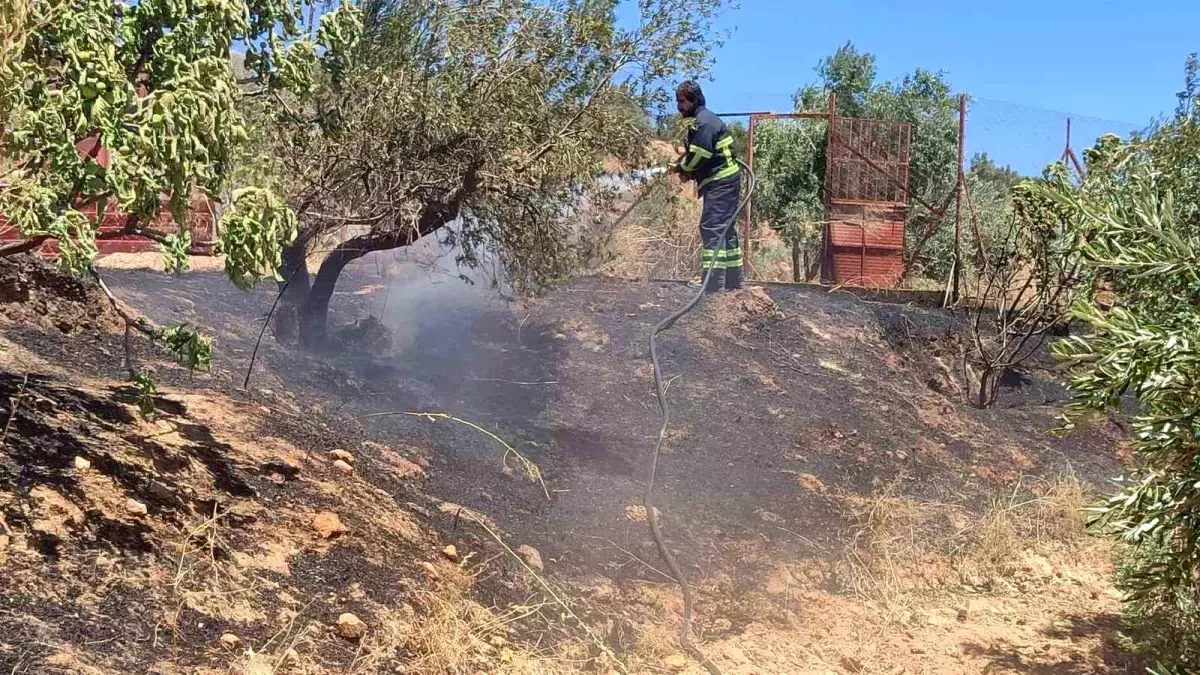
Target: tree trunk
<point>812,263</point>
<point>796,268</point>
<point>314,313</point>
<point>988,381</point>
<point>294,288</point>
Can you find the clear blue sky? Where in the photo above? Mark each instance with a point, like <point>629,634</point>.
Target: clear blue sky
<point>1111,66</point>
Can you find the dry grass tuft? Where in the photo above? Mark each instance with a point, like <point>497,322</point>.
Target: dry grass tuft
<point>904,550</point>
<point>203,582</point>
<point>660,238</point>
<point>451,633</point>
<point>1046,518</point>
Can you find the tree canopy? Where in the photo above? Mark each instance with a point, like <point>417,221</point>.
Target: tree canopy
<point>133,108</point>
<point>488,121</point>
<point>152,82</point>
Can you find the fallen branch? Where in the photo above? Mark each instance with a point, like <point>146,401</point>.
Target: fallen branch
<point>132,319</point>
<point>23,246</point>
<point>516,382</point>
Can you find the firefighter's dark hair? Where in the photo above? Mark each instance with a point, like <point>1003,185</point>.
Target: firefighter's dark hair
<point>692,92</point>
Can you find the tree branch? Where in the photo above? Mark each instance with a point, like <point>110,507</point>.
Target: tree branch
<point>574,118</point>
<point>23,246</point>
<point>133,321</point>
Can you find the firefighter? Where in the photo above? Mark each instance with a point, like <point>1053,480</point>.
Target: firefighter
<point>708,160</point>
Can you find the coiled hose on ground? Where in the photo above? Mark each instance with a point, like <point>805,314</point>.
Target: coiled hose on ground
<point>685,632</point>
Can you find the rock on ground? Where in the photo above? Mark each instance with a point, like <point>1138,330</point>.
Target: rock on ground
<point>430,571</point>
<point>351,627</point>
<point>531,556</point>
<point>676,662</point>
<point>328,525</point>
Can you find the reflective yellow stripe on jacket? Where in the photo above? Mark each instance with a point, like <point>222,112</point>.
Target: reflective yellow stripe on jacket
<point>725,147</point>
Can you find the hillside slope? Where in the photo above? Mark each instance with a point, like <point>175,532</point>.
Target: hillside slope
<point>836,506</point>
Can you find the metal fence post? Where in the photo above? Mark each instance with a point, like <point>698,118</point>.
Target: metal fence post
<point>956,270</point>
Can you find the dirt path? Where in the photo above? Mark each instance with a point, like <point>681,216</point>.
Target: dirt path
<point>794,411</point>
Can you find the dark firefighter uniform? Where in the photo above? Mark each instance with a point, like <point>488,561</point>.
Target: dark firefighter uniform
<point>709,162</point>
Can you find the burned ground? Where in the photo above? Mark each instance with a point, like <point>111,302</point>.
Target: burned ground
<point>790,407</point>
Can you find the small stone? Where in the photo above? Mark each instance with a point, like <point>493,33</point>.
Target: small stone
<point>82,464</point>
<point>769,517</point>
<point>852,664</point>
<point>635,513</point>
<point>401,468</point>
<point>735,654</point>
<point>531,556</point>
<point>962,613</point>
<point>342,455</point>
<point>291,656</point>
<point>1040,566</point>
<point>451,553</point>
<point>780,582</point>
<point>810,482</point>
<point>676,662</point>
<point>230,641</point>
<point>135,507</point>
<point>328,525</point>
<point>342,466</point>
<point>351,627</point>
<point>430,571</point>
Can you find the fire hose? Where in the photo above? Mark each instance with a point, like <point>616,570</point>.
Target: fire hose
<point>685,632</point>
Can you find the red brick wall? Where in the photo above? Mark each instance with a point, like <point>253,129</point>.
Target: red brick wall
<point>200,219</point>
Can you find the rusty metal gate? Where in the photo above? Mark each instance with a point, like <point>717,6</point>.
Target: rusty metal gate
<point>866,201</point>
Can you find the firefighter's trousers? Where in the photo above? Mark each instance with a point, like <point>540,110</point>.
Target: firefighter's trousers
<point>722,255</point>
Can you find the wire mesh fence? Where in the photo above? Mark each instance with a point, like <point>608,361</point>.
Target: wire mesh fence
<point>957,194</point>
<point>1027,138</point>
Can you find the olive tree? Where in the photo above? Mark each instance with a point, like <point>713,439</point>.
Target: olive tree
<point>1027,279</point>
<point>151,82</point>
<point>789,166</point>
<point>487,121</point>
<point>1137,215</point>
